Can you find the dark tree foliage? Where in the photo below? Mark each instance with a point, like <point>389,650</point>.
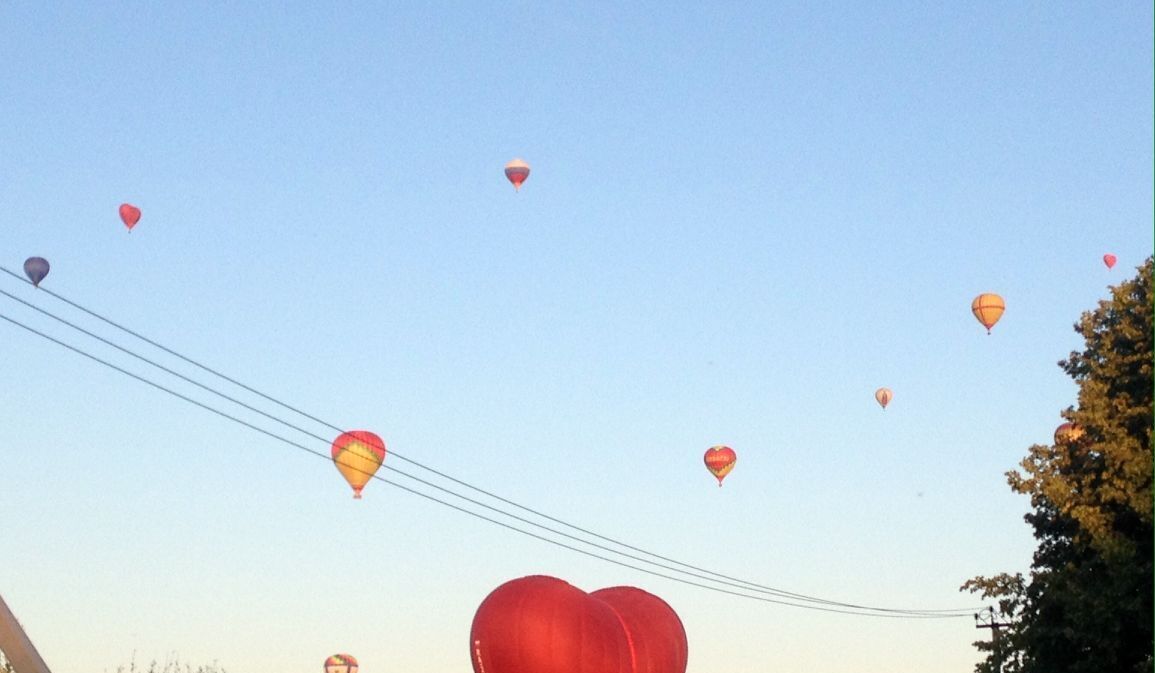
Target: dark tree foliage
<point>1087,605</point>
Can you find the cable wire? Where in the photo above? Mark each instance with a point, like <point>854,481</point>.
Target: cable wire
<point>768,590</point>
<point>734,582</point>
<point>451,505</point>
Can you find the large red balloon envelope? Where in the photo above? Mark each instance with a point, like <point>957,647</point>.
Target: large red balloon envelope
<point>130,215</point>
<point>655,630</point>
<point>540,624</point>
<point>1109,260</point>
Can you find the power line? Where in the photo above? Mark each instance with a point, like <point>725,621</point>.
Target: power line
<point>911,615</point>
<point>723,581</point>
<point>750,585</point>
<point>728,579</point>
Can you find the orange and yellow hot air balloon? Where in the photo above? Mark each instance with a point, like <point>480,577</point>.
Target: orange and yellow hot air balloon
<point>517,171</point>
<point>988,308</point>
<point>1067,432</point>
<point>883,395</point>
<point>341,663</point>
<point>358,454</point>
<point>719,461</point>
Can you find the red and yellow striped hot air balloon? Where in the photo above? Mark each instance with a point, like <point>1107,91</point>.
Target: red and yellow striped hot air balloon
<point>358,454</point>
<point>341,663</point>
<point>883,395</point>
<point>719,461</point>
<point>517,171</point>
<point>988,308</point>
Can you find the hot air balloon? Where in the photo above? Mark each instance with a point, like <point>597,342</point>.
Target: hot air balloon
<point>36,268</point>
<point>130,215</point>
<point>883,395</point>
<point>357,455</point>
<point>719,461</point>
<point>988,308</point>
<point>656,632</point>
<point>1067,432</point>
<point>1109,260</point>
<point>341,663</point>
<point>517,171</point>
<point>543,624</point>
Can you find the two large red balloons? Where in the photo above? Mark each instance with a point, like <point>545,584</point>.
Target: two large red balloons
<point>541,624</point>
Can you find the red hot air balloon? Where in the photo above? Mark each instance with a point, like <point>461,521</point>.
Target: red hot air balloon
<point>517,171</point>
<point>541,624</point>
<point>130,215</point>
<point>1109,260</point>
<point>1067,432</point>
<point>341,663</point>
<point>36,268</point>
<point>719,461</point>
<point>655,630</point>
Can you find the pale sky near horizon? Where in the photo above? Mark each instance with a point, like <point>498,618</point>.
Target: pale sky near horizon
<point>740,222</point>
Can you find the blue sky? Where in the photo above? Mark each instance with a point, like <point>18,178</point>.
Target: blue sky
<point>740,223</point>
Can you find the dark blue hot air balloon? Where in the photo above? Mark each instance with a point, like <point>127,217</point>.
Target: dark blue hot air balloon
<point>36,269</point>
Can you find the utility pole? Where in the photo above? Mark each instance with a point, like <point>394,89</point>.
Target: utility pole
<point>15,644</point>
<point>987,620</point>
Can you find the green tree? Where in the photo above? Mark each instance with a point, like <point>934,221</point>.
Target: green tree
<point>1087,605</point>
